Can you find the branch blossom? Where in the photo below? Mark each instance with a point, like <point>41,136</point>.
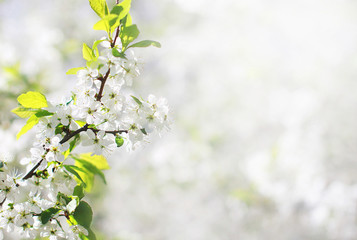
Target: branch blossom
<point>46,201</point>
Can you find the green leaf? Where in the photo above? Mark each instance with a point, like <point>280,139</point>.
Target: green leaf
<point>80,123</point>
<point>59,129</point>
<point>87,53</point>
<point>76,172</point>
<point>63,199</point>
<point>28,112</point>
<point>128,34</point>
<point>91,235</point>
<point>72,145</point>
<point>90,168</point>
<point>119,141</point>
<point>143,131</point>
<point>107,23</point>
<point>74,71</point>
<point>127,20</point>
<point>137,100</point>
<point>100,7</point>
<point>48,214</point>
<point>97,160</point>
<point>96,43</point>
<point>87,177</point>
<point>31,122</point>
<point>114,21</point>
<point>83,214</point>
<point>95,46</point>
<point>122,9</point>
<point>24,112</point>
<point>43,113</point>
<point>146,43</point>
<point>102,24</point>
<point>32,100</point>
<point>78,191</point>
<point>116,53</point>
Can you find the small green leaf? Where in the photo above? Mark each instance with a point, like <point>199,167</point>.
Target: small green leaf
<point>43,113</point>
<point>90,236</point>
<point>32,100</point>
<point>143,131</point>
<point>28,112</point>
<point>146,43</point>
<point>122,9</point>
<point>74,71</point>
<point>72,145</point>
<point>116,53</point>
<point>90,168</point>
<point>83,214</point>
<point>128,34</point>
<point>96,43</point>
<point>114,21</point>
<point>107,23</point>
<point>63,199</point>
<point>102,25</point>
<point>48,214</point>
<point>80,123</point>
<point>97,160</point>
<point>24,112</point>
<point>119,141</point>
<point>78,191</point>
<point>76,172</point>
<point>31,122</point>
<point>95,46</point>
<point>127,20</point>
<point>137,100</point>
<point>59,129</point>
<point>87,177</point>
<point>87,53</point>
<point>100,7</point>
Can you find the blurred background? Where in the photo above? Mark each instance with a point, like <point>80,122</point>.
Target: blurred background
<point>263,102</point>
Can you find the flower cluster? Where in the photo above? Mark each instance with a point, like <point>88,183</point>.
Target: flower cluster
<point>100,113</point>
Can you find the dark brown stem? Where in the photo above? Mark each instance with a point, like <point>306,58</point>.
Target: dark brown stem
<point>32,171</point>
<point>2,202</point>
<point>116,37</point>
<point>69,135</point>
<point>110,132</point>
<point>118,131</point>
<point>104,79</point>
<point>116,33</point>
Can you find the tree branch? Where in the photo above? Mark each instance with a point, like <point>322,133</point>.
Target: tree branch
<point>110,132</point>
<point>104,79</point>
<point>68,136</point>
<point>32,171</point>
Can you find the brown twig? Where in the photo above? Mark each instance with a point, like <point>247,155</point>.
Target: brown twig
<point>103,80</point>
<point>117,32</point>
<point>110,132</point>
<point>32,171</point>
<point>69,135</point>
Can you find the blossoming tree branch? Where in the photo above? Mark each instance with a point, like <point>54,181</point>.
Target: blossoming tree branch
<point>46,200</point>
